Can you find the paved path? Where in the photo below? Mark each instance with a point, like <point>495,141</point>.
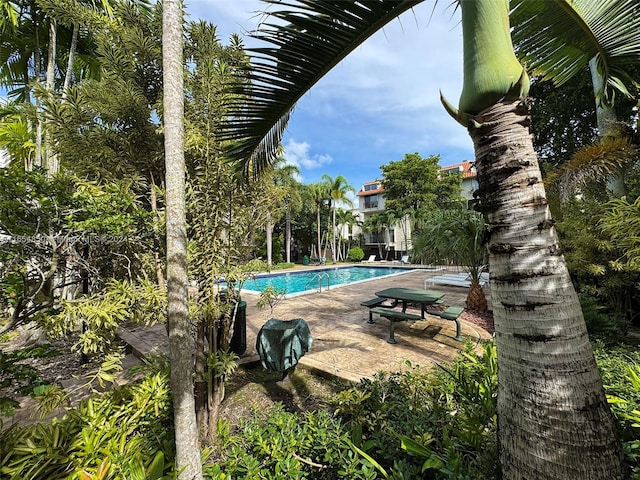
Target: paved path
<point>344,344</point>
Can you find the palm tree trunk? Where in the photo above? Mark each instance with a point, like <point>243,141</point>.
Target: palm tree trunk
<point>287,234</point>
<point>72,55</point>
<point>269,240</point>
<point>181,344</point>
<point>334,252</point>
<point>157,217</point>
<point>318,222</point>
<point>607,120</point>
<point>52,163</point>
<point>553,418</point>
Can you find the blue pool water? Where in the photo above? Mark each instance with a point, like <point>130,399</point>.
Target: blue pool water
<point>303,282</point>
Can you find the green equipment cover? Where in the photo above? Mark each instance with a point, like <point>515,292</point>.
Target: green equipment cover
<point>281,343</point>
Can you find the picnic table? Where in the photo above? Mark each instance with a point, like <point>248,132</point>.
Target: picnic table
<point>411,295</point>
<point>406,296</point>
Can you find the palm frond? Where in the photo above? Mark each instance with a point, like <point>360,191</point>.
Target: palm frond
<point>307,38</point>
<point>558,38</point>
<point>592,163</point>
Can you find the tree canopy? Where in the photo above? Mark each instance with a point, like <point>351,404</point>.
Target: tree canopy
<point>416,183</point>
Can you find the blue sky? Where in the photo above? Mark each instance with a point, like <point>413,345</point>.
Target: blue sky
<point>379,103</point>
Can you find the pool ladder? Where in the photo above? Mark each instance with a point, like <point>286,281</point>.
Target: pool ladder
<point>319,277</point>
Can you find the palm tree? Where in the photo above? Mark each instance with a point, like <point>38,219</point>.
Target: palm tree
<point>608,73</point>
<point>318,193</point>
<point>181,345</point>
<point>456,236</point>
<point>339,189</point>
<point>284,178</point>
<point>402,217</point>
<point>345,218</point>
<point>554,421</point>
<point>377,223</point>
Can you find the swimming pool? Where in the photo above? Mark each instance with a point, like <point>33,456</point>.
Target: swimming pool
<point>298,283</point>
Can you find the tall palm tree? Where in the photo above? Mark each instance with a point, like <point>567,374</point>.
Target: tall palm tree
<point>554,421</point>
<point>608,73</point>
<point>348,219</point>
<point>181,345</point>
<point>404,218</point>
<point>377,223</point>
<point>339,189</point>
<point>318,194</point>
<point>284,178</point>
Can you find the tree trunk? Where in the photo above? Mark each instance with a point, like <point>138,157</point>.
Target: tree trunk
<point>72,55</point>
<point>553,418</point>
<point>334,252</point>
<point>287,235</point>
<point>181,347</point>
<point>318,222</point>
<point>51,159</point>
<point>607,126</point>
<point>476,299</point>
<point>156,255</point>
<point>37,72</point>
<point>269,240</point>
<point>200,387</point>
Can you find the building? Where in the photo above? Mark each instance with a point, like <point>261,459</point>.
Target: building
<point>469,177</point>
<point>392,243</point>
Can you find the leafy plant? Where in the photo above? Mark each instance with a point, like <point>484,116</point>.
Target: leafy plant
<point>271,296</point>
<point>355,254</point>
<point>279,444</point>
<point>620,370</point>
<point>23,378</point>
<point>443,420</point>
<point>600,322</point>
<point>123,434</point>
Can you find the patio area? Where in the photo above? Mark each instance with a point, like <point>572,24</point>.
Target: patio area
<point>345,345</point>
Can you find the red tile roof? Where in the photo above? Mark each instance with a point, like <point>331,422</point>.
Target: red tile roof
<point>467,172</point>
<point>366,193</point>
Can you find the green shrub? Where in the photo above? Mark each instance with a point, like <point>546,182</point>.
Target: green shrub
<point>600,323</point>
<point>620,370</point>
<point>447,415</point>
<point>22,378</point>
<point>313,445</point>
<point>123,434</point>
<point>355,254</point>
<point>282,265</point>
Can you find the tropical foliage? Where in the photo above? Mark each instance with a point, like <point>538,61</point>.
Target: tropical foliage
<point>521,237</point>
<point>416,184</point>
<point>455,237</point>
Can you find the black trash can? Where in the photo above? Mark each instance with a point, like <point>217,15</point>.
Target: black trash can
<point>238,343</point>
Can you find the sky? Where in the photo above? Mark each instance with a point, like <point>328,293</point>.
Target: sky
<point>379,103</point>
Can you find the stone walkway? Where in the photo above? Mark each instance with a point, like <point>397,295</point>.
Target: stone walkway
<point>344,343</point>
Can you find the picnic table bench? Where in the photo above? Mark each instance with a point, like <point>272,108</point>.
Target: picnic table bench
<point>451,313</point>
<point>425,298</point>
<point>372,303</point>
<point>393,316</point>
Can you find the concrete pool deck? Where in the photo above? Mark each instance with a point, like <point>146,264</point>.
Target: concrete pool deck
<point>345,345</point>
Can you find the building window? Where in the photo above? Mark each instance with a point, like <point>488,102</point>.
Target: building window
<point>392,235</point>
<point>371,186</point>
<point>371,201</point>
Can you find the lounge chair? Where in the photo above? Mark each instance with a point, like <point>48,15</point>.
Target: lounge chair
<point>372,258</point>
<point>455,280</point>
<point>404,260</point>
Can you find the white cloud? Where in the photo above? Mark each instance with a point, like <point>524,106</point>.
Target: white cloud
<point>380,102</point>
<point>297,153</point>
